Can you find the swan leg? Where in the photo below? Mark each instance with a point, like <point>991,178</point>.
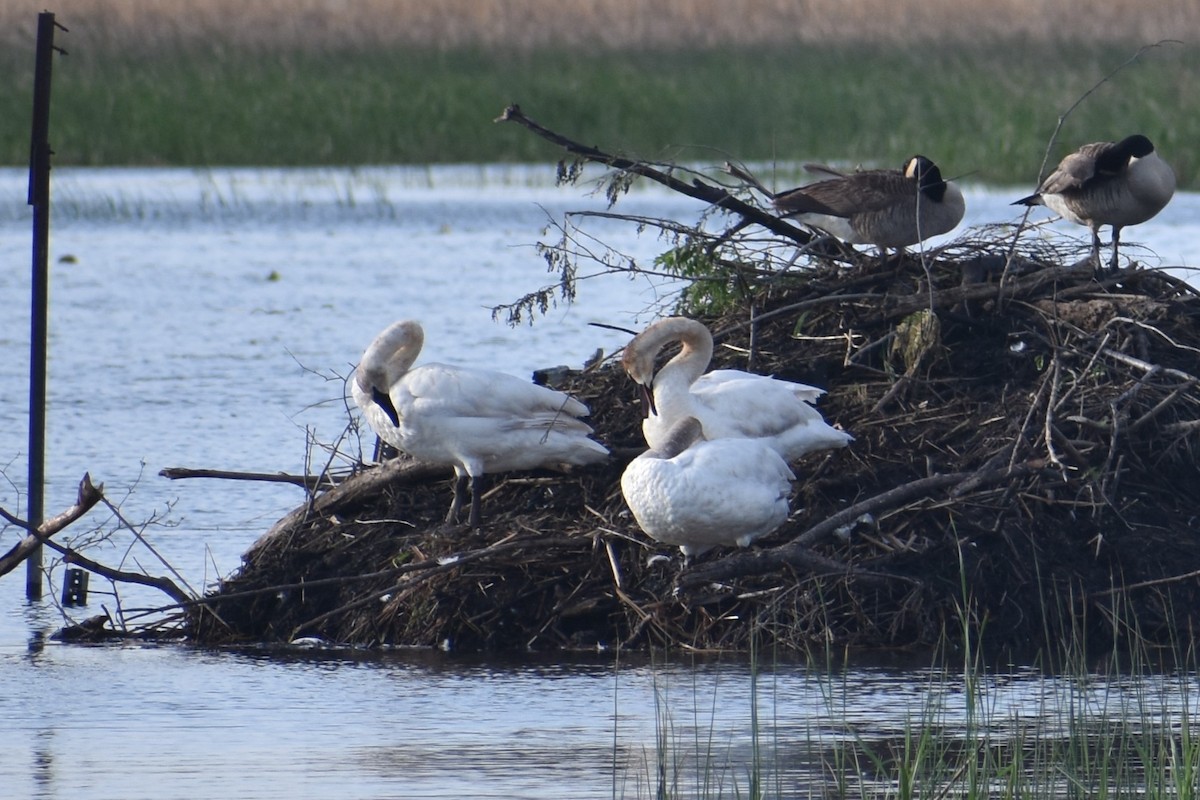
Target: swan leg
<point>476,502</point>
<point>460,490</point>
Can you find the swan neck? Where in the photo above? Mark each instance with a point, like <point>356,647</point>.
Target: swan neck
<point>696,352</point>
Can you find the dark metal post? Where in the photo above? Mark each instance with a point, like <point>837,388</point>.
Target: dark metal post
<point>39,198</point>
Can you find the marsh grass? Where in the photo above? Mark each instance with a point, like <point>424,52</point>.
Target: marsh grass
<point>1117,726</point>
<point>202,91</point>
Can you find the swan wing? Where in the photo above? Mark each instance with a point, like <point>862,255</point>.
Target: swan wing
<point>719,379</point>
<point>754,406</point>
<point>456,391</point>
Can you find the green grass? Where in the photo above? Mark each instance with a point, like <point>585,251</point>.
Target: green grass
<point>1091,724</point>
<point>986,111</point>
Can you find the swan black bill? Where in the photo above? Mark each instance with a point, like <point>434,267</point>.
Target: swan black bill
<point>385,402</point>
<point>648,406</point>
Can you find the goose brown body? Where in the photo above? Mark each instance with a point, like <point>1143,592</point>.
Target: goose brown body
<point>1108,183</point>
<point>886,208</point>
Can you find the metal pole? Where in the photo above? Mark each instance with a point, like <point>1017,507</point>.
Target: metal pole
<point>39,198</point>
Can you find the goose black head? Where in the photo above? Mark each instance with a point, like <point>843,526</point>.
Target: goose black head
<point>927,175</point>
<point>1117,158</point>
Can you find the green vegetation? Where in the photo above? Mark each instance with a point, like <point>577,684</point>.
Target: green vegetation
<point>983,111</point>
<point>1102,727</point>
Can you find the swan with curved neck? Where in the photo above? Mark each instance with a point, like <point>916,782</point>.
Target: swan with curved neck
<point>728,403</point>
<point>477,421</point>
<point>700,494</point>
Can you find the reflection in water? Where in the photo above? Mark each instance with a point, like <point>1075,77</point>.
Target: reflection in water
<point>43,763</point>
<point>205,321</point>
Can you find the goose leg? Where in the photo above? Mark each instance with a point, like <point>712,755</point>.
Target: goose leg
<point>1112,264</point>
<point>460,490</point>
<point>1097,268</point>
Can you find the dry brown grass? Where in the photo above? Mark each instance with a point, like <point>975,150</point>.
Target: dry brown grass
<point>528,24</point>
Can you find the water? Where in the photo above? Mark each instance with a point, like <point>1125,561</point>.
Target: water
<point>207,319</point>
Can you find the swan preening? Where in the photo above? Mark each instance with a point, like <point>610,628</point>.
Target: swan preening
<point>478,421</point>
<point>699,494</point>
<point>1107,183</point>
<point>884,207</point>
<point>727,403</point>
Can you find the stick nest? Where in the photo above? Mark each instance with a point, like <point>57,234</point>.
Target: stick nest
<point>1025,454</point>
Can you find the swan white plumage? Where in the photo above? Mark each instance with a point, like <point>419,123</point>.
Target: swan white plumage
<point>478,421</point>
<point>728,403</point>
<point>699,494</point>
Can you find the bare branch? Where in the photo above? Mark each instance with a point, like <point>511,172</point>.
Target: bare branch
<point>305,481</point>
<point>88,496</point>
<point>708,193</point>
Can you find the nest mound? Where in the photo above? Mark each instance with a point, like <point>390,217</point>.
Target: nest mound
<point>1025,453</point>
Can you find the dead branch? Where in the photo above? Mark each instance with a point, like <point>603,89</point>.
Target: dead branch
<point>165,585</point>
<point>88,496</point>
<point>306,481</point>
<point>797,553</point>
<point>708,193</point>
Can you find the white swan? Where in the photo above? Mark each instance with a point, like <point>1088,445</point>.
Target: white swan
<point>699,494</point>
<point>728,403</point>
<point>478,421</point>
<point>1107,183</point>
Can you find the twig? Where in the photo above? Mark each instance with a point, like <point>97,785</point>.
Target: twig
<point>166,585</point>
<point>1079,101</point>
<point>1051,404</point>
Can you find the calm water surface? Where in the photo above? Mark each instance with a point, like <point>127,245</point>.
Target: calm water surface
<point>207,319</point>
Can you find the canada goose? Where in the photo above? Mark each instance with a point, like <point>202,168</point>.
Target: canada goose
<point>728,403</point>
<point>884,207</point>
<point>478,421</point>
<point>1107,183</point>
<point>699,494</point>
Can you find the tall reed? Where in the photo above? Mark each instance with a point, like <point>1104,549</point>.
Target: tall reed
<point>1106,725</point>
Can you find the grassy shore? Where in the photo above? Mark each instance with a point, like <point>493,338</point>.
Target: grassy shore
<point>983,107</point>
